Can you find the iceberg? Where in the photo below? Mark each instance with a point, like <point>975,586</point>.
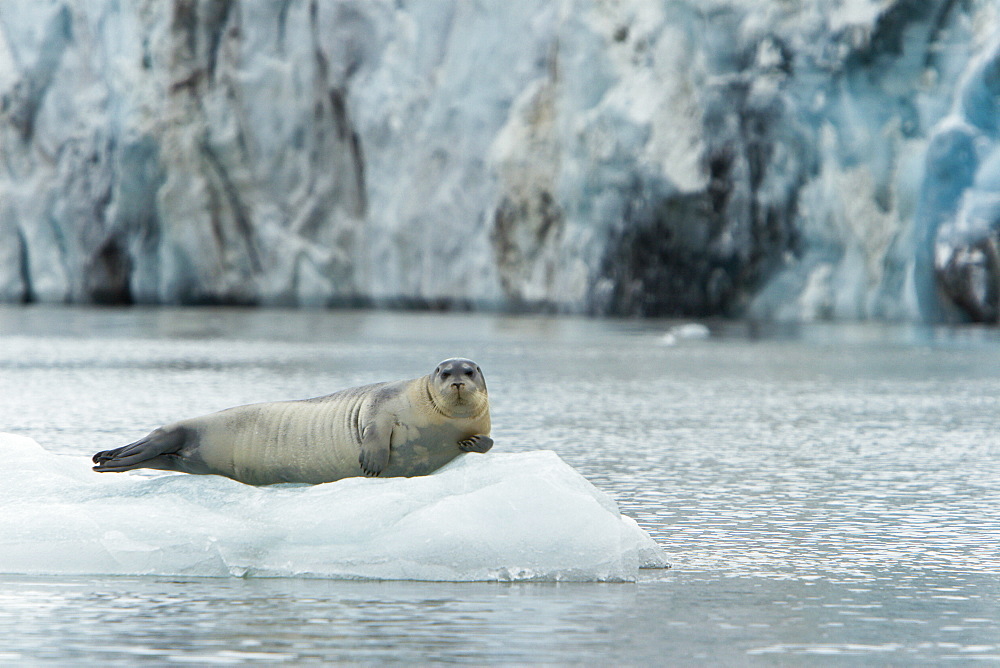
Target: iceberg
<point>504,517</point>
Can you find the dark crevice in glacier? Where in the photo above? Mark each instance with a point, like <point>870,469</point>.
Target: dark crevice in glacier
<point>282,25</point>
<point>26,294</point>
<point>518,246</point>
<point>20,105</point>
<point>231,206</point>
<point>960,215</point>
<point>215,22</point>
<point>202,23</point>
<point>705,253</point>
<point>135,216</point>
<point>888,38</point>
<point>348,136</point>
<point>971,277</point>
<point>184,22</point>
<point>947,12</point>
<point>108,273</point>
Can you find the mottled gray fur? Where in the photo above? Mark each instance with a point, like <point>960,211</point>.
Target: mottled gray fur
<point>402,428</point>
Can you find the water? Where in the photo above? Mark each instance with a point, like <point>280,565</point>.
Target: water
<point>826,493</point>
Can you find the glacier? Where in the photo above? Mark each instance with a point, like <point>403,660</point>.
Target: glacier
<point>505,517</point>
<point>816,159</point>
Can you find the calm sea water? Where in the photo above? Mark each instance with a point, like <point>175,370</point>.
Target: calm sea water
<point>826,494</point>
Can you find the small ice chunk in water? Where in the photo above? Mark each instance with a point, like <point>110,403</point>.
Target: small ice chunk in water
<point>690,331</point>
<point>482,517</point>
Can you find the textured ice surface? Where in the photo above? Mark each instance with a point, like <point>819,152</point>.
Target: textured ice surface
<point>495,517</point>
<point>797,160</point>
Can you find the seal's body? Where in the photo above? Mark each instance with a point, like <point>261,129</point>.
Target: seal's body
<point>405,428</point>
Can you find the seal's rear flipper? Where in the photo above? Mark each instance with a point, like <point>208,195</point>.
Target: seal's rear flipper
<point>147,452</point>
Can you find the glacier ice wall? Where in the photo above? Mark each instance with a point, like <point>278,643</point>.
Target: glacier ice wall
<point>791,160</point>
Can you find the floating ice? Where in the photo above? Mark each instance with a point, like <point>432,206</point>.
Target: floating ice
<point>495,517</point>
<point>686,332</point>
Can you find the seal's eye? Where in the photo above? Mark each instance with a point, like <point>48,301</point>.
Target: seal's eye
<point>470,373</point>
<point>446,374</point>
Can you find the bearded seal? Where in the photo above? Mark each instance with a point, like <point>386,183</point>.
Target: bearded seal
<point>403,428</point>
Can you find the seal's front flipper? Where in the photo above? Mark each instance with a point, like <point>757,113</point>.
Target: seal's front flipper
<point>477,443</point>
<point>374,455</point>
<point>144,453</point>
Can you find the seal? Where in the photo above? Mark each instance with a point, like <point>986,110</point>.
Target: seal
<point>403,428</point>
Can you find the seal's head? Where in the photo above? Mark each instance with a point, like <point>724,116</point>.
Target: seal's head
<point>458,387</point>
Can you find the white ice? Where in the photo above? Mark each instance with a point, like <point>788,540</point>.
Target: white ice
<point>690,331</point>
<point>526,516</point>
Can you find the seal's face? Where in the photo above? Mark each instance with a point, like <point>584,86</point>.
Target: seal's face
<point>460,384</point>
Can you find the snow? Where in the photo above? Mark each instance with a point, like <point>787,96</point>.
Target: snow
<point>523,516</point>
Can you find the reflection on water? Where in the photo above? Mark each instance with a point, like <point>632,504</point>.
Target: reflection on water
<point>688,617</point>
<point>820,491</point>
